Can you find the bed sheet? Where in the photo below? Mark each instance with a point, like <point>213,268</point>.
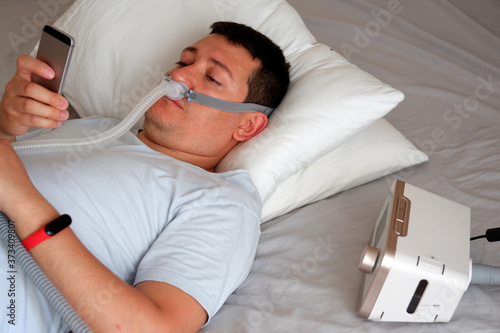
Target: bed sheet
<point>444,56</point>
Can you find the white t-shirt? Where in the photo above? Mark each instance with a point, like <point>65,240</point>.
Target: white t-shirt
<point>147,216</point>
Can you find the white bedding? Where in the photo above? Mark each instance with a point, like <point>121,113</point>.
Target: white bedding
<point>443,55</point>
<point>437,53</point>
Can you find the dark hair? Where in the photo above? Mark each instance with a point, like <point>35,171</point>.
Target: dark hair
<point>269,83</point>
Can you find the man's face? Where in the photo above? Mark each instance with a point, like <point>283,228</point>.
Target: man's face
<point>214,67</point>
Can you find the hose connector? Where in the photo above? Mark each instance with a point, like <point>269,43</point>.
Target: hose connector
<point>173,89</point>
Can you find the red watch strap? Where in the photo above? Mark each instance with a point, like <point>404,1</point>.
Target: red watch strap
<point>46,231</point>
<point>35,238</point>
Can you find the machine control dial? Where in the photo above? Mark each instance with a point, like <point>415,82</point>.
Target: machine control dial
<point>368,259</point>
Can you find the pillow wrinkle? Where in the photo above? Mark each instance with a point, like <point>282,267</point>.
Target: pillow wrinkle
<point>123,47</point>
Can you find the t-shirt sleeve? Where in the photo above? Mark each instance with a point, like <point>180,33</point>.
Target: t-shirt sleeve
<point>207,251</point>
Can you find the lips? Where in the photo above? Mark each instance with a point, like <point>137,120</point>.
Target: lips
<point>177,102</point>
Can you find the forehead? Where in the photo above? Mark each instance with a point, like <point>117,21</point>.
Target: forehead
<point>217,49</point>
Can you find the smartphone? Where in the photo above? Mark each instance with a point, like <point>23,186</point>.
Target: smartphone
<point>55,50</point>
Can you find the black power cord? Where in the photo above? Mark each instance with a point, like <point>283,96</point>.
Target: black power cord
<point>492,235</point>
<point>483,274</point>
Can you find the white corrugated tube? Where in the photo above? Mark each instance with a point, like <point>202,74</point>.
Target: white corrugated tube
<point>173,90</point>
<point>167,87</point>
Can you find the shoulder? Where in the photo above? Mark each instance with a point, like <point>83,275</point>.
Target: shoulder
<point>238,188</point>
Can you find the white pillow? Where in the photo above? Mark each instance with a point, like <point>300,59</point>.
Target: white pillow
<point>122,47</point>
<point>329,101</point>
<point>375,152</point>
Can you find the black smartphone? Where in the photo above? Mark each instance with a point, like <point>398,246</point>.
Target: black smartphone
<point>55,50</point>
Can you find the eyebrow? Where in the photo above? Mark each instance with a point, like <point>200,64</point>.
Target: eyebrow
<point>214,61</point>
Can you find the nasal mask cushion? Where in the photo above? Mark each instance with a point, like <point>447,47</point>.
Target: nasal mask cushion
<point>178,90</point>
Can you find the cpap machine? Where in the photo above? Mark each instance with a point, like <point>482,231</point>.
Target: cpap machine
<point>416,265</point>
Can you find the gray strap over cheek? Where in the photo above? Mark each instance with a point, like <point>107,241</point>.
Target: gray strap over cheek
<point>225,105</point>
<point>177,90</point>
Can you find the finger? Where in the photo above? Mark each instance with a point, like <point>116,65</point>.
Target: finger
<point>24,121</point>
<point>40,122</point>
<point>22,113</point>
<point>22,88</point>
<point>27,65</point>
<point>37,114</point>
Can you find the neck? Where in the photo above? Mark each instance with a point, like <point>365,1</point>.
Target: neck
<point>207,163</point>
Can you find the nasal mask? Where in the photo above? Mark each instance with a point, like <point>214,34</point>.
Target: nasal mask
<point>173,90</point>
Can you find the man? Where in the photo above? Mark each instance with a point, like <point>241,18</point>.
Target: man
<point>163,254</point>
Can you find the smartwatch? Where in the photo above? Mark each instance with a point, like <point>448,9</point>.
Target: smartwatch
<point>49,230</point>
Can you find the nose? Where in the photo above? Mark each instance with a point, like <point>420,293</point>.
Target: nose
<point>183,75</point>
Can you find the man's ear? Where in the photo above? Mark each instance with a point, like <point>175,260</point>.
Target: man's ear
<point>252,124</point>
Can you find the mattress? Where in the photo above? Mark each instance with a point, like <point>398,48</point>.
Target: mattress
<point>439,54</point>
<point>443,55</point>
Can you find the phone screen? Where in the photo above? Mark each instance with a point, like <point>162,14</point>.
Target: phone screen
<point>55,50</point>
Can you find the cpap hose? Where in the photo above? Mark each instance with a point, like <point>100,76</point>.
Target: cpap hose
<point>167,87</point>
<point>484,274</point>
<point>36,275</point>
<point>172,89</point>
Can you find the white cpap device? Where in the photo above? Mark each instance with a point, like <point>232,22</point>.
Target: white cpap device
<point>417,262</point>
<point>416,265</point>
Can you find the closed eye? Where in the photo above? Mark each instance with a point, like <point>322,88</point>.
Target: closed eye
<point>211,79</point>
<point>214,81</point>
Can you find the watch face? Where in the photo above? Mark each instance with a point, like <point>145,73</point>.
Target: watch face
<point>391,224</point>
<point>57,225</point>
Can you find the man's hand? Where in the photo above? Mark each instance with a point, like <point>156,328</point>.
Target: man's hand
<point>26,103</point>
<point>81,278</point>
